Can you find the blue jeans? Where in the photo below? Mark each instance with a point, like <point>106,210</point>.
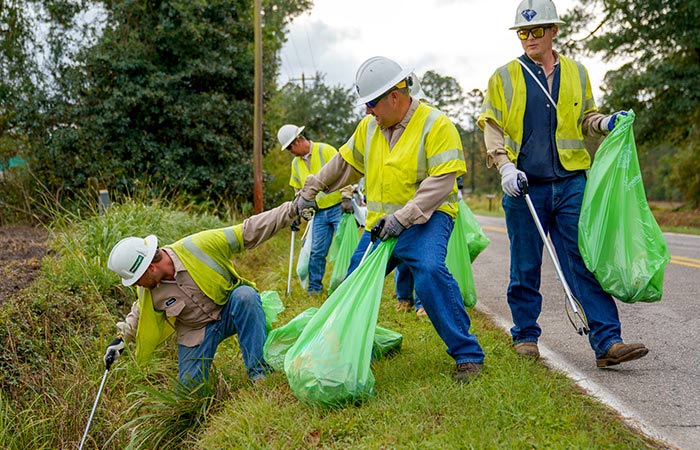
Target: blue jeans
<point>325,224</point>
<point>243,315</point>
<point>404,286</point>
<point>558,206</point>
<point>422,249</point>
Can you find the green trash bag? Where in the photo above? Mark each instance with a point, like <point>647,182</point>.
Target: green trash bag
<point>466,242</point>
<point>618,237</point>
<point>272,306</point>
<point>329,364</point>
<point>281,339</point>
<point>477,241</point>
<point>304,256</point>
<point>342,249</point>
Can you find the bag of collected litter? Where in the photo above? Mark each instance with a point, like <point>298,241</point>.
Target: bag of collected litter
<point>330,362</point>
<point>618,237</point>
<point>466,231</point>
<point>477,241</point>
<point>304,256</point>
<point>272,306</point>
<point>280,340</point>
<point>342,249</point>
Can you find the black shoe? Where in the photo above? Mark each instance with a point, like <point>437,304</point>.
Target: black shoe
<point>467,371</point>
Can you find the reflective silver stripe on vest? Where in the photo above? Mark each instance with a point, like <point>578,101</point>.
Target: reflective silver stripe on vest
<point>443,157</point>
<point>507,85</point>
<point>371,126</point>
<point>496,112</point>
<point>423,164</point>
<point>206,259</point>
<point>297,174</point>
<point>386,208</point>
<point>582,79</point>
<point>570,144</point>
<point>509,142</point>
<point>320,155</point>
<point>231,239</point>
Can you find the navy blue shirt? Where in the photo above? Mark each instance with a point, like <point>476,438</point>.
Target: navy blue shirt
<point>538,156</point>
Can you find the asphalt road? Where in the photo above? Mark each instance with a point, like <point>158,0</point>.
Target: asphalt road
<point>659,394</point>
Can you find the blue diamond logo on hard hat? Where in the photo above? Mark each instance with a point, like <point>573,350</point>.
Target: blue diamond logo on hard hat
<point>528,14</point>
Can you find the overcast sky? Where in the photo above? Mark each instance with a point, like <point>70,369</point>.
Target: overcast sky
<point>464,39</point>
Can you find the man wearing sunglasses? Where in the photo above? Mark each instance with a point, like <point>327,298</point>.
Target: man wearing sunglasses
<point>410,155</point>
<point>309,158</point>
<point>535,115</point>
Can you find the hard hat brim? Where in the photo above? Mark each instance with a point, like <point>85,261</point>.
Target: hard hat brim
<point>536,23</point>
<point>151,247</point>
<point>403,74</point>
<point>290,140</point>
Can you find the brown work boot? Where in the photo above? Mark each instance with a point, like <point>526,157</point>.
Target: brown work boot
<point>527,349</point>
<point>420,312</point>
<point>467,371</point>
<point>620,352</point>
<point>404,306</point>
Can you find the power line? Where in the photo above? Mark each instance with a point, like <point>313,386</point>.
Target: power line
<point>311,51</point>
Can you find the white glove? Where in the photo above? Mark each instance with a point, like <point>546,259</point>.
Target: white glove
<point>608,122</point>
<point>509,179</point>
<point>114,349</point>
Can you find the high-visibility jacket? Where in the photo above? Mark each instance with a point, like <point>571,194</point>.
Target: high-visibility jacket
<point>429,146</point>
<point>505,103</point>
<point>320,155</point>
<point>207,257</point>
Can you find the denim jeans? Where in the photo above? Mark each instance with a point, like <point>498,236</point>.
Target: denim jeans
<point>558,206</point>
<point>403,278</point>
<point>243,315</point>
<point>325,224</point>
<point>422,249</point>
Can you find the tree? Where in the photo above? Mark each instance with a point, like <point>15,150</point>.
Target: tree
<point>660,40</point>
<point>164,96</point>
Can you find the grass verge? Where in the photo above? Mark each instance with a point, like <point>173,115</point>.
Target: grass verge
<point>55,334</point>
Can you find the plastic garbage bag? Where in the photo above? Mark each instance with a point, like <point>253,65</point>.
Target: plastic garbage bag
<point>618,237</point>
<point>281,339</point>
<point>330,362</point>
<point>460,254</point>
<point>272,306</point>
<point>342,249</point>
<point>304,256</point>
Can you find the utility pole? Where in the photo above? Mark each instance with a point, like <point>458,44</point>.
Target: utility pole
<point>257,115</point>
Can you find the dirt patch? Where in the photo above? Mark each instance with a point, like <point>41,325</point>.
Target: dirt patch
<point>21,251</point>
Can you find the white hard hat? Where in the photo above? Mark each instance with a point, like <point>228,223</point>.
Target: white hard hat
<point>287,134</point>
<point>379,74</point>
<point>131,257</point>
<point>536,12</point>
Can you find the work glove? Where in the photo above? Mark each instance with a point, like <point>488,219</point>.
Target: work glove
<point>608,123</point>
<point>305,208</point>
<point>114,349</point>
<point>509,179</point>
<point>346,206</point>
<point>295,225</point>
<point>388,227</point>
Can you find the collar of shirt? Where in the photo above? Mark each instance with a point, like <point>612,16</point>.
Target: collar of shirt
<point>392,134</point>
<point>179,267</point>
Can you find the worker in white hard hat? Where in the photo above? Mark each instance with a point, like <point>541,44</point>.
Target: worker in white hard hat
<point>191,288</point>
<point>410,155</point>
<point>309,158</point>
<point>536,112</point>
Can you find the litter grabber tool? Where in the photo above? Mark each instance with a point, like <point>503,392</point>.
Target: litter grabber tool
<point>573,308</point>
<point>295,228</point>
<point>109,359</point>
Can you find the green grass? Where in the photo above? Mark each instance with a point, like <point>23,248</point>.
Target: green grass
<point>54,338</point>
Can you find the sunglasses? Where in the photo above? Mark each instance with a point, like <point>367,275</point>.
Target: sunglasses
<point>536,33</point>
<point>289,147</point>
<point>372,103</point>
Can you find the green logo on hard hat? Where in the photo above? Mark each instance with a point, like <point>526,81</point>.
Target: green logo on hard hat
<point>136,264</point>
<point>528,14</point>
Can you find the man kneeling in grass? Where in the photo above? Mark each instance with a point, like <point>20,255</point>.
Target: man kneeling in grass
<point>191,287</point>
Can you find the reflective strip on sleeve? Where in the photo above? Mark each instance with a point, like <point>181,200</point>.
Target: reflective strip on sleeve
<point>206,259</point>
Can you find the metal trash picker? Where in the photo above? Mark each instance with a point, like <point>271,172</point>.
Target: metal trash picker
<point>295,228</point>
<point>571,305</point>
<point>108,364</point>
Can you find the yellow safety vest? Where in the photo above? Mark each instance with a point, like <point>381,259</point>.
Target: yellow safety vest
<point>429,146</point>
<point>320,155</point>
<point>505,101</point>
<point>207,257</point>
